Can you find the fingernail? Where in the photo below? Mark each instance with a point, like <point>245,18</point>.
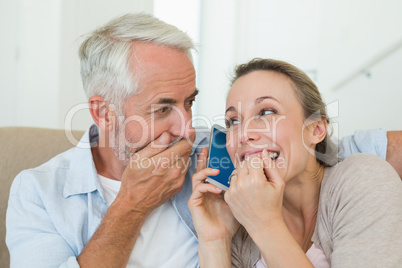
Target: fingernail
<point>264,154</point>
<point>163,138</point>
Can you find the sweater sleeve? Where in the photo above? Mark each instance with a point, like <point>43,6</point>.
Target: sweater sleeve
<point>365,213</point>
<point>245,253</point>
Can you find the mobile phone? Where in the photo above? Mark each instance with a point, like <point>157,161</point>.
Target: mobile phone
<point>219,158</point>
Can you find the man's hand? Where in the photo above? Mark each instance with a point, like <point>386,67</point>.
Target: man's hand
<point>155,174</point>
<point>394,150</point>
<point>144,187</point>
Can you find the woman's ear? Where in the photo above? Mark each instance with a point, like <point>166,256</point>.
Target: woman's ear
<point>319,130</point>
<point>101,114</point>
<point>315,131</point>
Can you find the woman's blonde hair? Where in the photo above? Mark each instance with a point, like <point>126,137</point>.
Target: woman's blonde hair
<point>307,93</point>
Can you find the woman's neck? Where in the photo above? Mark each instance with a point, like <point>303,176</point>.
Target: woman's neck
<point>300,204</point>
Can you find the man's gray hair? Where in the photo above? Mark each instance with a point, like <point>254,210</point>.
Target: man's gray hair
<point>105,54</point>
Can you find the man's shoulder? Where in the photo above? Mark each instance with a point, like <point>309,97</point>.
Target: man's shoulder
<point>201,139</point>
<point>46,175</point>
<point>372,141</point>
<point>202,135</point>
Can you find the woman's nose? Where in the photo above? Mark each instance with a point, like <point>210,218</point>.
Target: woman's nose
<point>250,132</point>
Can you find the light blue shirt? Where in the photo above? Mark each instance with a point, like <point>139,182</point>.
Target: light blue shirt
<point>365,141</point>
<point>54,209</point>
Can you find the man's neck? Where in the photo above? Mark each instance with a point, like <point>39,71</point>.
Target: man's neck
<point>106,162</point>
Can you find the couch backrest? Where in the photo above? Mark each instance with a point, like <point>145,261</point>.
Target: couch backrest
<point>22,148</point>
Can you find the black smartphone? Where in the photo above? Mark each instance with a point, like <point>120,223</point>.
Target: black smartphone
<point>219,158</point>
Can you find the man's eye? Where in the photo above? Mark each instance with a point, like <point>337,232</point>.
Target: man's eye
<point>190,102</point>
<point>164,109</point>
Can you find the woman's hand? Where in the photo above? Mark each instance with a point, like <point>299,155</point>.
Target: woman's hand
<point>212,217</point>
<point>255,195</point>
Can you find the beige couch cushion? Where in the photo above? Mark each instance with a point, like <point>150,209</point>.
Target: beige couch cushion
<point>22,148</point>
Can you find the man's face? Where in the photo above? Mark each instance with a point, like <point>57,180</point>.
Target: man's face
<point>166,94</point>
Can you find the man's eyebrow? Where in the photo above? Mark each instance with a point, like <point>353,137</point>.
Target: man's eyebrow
<point>195,93</point>
<point>166,101</point>
<point>173,101</point>
<point>260,99</point>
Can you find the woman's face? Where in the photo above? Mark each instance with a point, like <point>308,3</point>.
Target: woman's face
<point>263,112</point>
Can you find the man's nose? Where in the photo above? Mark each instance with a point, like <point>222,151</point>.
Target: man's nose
<point>182,124</point>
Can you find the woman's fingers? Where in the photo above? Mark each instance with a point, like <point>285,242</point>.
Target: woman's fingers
<point>203,188</point>
<point>201,175</point>
<point>242,170</point>
<point>202,159</point>
<point>233,176</point>
<point>201,172</point>
<point>270,169</point>
<point>198,195</point>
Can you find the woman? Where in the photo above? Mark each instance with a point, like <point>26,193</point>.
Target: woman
<point>297,206</point>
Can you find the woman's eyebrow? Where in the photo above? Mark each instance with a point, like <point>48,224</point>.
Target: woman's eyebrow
<point>257,101</point>
<point>260,99</point>
<point>230,109</point>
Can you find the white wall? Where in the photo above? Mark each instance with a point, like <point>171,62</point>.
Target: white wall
<point>233,32</point>
<point>9,56</point>
<point>354,39</point>
<point>330,40</point>
<point>184,14</point>
<point>217,57</point>
<point>78,18</point>
<point>40,82</point>
<point>31,41</point>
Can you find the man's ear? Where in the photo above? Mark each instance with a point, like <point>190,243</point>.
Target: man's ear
<point>101,114</point>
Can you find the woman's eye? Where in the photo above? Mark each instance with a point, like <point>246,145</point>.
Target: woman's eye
<point>267,112</point>
<point>231,122</point>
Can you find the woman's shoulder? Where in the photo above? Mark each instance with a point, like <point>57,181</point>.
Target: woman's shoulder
<point>362,159</point>
<point>360,195</point>
<point>358,169</point>
<point>359,176</point>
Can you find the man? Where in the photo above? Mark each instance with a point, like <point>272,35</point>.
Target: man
<point>120,197</point>
<point>140,80</point>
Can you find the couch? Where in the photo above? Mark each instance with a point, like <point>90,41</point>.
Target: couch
<point>22,148</point>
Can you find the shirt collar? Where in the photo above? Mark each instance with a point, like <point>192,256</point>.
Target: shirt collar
<point>201,139</point>
<point>82,175</point>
